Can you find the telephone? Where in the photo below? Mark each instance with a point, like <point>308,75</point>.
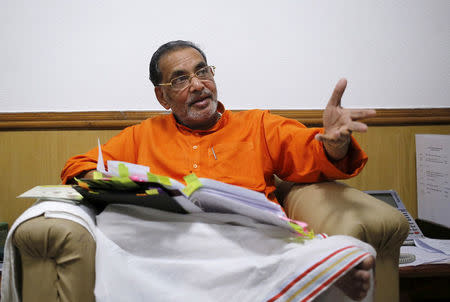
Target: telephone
<point>391,197</point>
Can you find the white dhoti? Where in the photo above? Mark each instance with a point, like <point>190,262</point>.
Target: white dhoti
<point>149,255</point>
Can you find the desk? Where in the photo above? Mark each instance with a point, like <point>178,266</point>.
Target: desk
<point>428,282</point>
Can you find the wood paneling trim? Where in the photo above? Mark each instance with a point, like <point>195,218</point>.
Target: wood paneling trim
<point>120,119</point>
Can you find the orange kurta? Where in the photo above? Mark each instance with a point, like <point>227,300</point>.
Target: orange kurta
<point>244,148</point>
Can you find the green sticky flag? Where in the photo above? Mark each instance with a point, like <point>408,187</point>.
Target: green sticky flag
<point>192,184</point>
<point>98,175</point>
<point>190,178</point>
<point>164,180</point>
<point>152,192</point>
<point>152,177</point>
<point>123,183</point>
<point>123,170</point>
<point>301,231</point>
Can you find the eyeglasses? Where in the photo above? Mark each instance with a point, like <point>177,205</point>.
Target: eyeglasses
<point>203,74</point>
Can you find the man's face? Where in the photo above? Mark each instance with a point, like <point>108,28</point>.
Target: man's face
<point>196,105</point>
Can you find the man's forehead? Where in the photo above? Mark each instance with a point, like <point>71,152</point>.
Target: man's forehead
<point>183,59</point>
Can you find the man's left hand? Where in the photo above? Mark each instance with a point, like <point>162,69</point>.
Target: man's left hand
<point>339,123</point>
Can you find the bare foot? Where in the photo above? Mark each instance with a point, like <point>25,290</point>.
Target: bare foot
<point>356,283</point>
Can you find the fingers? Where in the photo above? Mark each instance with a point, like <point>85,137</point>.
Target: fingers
<point>342,132</point>
<point>336,97</point>
<point>319,137</point>
<point>348,121</point>
<point>355,126</point>
<point>333,136</point>
<point>339,122</point>
<point>358,114</point>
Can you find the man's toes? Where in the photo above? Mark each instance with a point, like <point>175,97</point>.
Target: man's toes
<point>361,275</point>
<point>367,264</point>
<point>365,286</point>
<point>360,296</point>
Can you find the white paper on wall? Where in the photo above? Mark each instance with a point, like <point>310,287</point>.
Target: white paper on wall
<point>433,177</point>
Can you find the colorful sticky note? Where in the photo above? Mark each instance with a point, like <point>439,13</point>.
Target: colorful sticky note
<point>98,175</point>
<point>123,170</point>
<point>152,192</point>
<point>192,184</point>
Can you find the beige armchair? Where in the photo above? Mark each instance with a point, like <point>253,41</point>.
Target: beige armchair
<point>58,256</point>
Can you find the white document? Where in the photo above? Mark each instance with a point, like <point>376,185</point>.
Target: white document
<point>434,245</point>
<point>219,197</point>
<point>423,256</point>
<point>137,172</point>
<point>433,177</point>
<point>428,251</point>
<point>58,192</point>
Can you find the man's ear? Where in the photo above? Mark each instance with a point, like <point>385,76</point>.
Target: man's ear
<point>161,97</point>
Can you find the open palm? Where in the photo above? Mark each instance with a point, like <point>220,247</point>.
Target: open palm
<point>339,122</point>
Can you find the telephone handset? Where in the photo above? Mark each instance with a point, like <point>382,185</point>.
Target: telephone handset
<point>391,197</point>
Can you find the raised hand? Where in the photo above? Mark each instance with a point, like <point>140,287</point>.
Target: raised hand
<point>339,123</point>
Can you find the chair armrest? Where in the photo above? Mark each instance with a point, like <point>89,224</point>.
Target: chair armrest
<point>57,260</point>
<point>334,208</point>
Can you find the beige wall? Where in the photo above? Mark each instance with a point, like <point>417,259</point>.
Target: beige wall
<point>30,158</point>
<point>392,160</point>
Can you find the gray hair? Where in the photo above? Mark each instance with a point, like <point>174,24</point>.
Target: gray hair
<point>155,72</point>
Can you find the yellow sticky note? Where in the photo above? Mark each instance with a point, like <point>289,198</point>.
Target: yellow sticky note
<point>164,180</point>
<point>124,182</point>
<point>152,192</point>
<point>98,175</point>
<point>190,178</point>
<point>123,170</point>
<point>300,230</point>
<point>152,177</point>
<point>82,183</point>
<point>192,184</point>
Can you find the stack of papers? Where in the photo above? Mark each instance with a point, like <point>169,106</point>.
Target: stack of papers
<point>58,192</point>
<point>134,184</point>
<point>428,251</point>
<point>167,194</point>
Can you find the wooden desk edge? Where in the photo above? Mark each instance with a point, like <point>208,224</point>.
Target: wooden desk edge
<point>425,270</point>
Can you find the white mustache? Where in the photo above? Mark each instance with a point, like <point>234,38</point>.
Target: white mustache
<point>202,96</point>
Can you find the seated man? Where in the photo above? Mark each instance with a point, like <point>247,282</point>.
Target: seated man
<point>245,148</point>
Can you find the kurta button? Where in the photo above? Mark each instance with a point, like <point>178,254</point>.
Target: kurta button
<point>195,166</point>
<point>194,147</point>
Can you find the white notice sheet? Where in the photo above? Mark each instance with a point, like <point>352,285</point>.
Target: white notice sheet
<point>433,177</point>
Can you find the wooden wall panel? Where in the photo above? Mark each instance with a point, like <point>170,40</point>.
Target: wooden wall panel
<point>392,160</point>
<point>30,158</point>
<point>94,120</point>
